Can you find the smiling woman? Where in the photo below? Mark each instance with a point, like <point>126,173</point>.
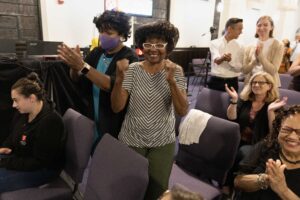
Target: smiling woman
<point>155,88</point>
<point>272,169</point>
<point>266,55</point>
<point>251,111</point>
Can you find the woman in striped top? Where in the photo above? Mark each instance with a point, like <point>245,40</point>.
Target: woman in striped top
<point>155,88</point>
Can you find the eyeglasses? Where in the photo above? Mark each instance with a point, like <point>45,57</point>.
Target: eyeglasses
<point>260,83</point>
<point>288,130</point>
<point>156,45</point>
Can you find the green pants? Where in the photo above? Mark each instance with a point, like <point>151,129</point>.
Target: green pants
<point>160,165</point>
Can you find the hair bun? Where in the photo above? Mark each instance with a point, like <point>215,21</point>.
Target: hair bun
<point>34,77</point>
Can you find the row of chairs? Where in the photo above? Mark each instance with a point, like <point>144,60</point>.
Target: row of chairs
<point>200,166</point>
<point>116,171</point>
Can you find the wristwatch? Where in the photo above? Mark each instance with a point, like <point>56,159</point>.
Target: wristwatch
<point>86,68</point>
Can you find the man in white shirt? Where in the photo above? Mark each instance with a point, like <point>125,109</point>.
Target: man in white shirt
<point>295,46</point>
<point>227,57</point>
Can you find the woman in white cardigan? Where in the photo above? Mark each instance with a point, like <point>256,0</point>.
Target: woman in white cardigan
<point>266,55</point>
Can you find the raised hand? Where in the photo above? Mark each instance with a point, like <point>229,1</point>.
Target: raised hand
<point>276,177</point>
<point>122,67</point>
<point>170,68</point>
<point>5,150</point>
<point>72,57</point>
<point>232,93</point>
<point>277,104</point>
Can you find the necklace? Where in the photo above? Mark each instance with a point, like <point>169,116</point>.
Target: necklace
<point>107,59</point>
<point>287,160</point>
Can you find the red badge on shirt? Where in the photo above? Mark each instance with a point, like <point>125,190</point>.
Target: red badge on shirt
<point>23,140</point>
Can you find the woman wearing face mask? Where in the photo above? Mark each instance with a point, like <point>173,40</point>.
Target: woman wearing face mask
<point>266,55</point>
<point>155,88</point>
<point>96,74</point>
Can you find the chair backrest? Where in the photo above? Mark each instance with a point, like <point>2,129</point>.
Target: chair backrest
<point>241,86</point>
<point>215,153</point>
<point>213,102</point>
<point>285,80</point>
<point>116,172</point>
<point>293,96</point>
<point>80,131</point>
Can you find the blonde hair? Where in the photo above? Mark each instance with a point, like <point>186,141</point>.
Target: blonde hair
<point>272,94</point>
<point>179,192</point>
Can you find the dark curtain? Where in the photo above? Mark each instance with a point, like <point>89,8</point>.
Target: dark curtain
<point>9,73</point>
<point>54,75</point>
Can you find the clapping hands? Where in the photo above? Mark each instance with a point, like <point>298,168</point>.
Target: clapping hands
<point>258,49</point>
<point>72,57</point>
<point>275,175</point>
<point>227,57</point>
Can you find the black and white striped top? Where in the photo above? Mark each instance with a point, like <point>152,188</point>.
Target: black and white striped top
<point>150,119</point>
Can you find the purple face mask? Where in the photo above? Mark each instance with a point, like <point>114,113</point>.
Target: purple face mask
<point>108,43</point>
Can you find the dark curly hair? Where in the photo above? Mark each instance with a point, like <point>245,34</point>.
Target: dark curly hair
<point>269,147</point>
<point>281,115</point>
<point>30,85</point>
<point>115,20</point>
<point>161,30</point>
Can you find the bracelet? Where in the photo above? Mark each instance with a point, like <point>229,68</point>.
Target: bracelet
<point>233,102</point>
<point>262,182</point>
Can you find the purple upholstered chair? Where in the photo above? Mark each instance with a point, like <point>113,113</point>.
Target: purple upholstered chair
<point>78,147</point>
<point>285,80</point>
<point>116,172</point>
<point>241,86</point>
<point>293,96</point>
<point>203,167</point>
<point>213,102</point>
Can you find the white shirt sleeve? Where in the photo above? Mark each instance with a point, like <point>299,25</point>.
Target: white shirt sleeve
<point>214,50</point>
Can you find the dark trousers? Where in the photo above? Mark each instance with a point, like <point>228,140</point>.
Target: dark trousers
<point>218,83</point>
<point>11,180</point>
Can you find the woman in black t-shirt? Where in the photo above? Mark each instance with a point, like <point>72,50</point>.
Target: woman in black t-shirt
<point>272,169</point>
